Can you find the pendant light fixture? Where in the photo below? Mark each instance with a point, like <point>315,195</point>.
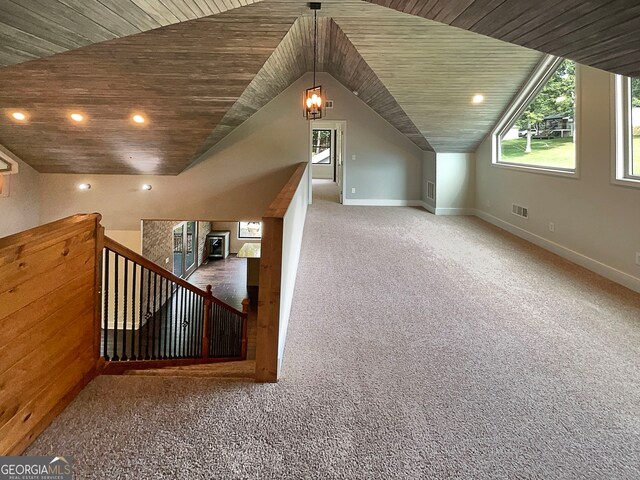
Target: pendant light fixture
<point>313,100</point>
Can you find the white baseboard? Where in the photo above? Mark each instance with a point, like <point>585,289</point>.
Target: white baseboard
<point>606,271</point>
<point>427,207</point>
<point>455,211</point>
<point>374,202</point>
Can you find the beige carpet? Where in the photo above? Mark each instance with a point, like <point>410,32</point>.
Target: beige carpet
<point>419,347</point>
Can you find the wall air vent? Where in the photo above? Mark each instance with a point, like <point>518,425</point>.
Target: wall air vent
<point>328,104</point>
<point>520,211</point>
<point>431,190</point>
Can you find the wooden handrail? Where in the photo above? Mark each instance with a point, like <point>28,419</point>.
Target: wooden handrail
<point>148,264</point>
<point>280,204</point>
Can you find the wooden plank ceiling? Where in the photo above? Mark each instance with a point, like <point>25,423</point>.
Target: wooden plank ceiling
<point>31,29</point>
<point>294,57</point>
<point>601,34</point>
<point>197,80</point>
<point>183,78</point>
<point>433,71</point>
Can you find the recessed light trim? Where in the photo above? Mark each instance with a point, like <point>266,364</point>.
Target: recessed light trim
<point>84,186</point>
<point>139,119</point>
<point>146,186</point>
<point>479,98</point>
<point>77,117</point>
<point>19,116</point>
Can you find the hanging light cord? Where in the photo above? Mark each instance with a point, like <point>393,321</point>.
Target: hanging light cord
<point>315,45</point>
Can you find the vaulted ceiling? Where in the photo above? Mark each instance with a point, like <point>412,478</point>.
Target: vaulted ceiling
<point>604,34</point>
<point>198,69</point>
<point>39,28</point>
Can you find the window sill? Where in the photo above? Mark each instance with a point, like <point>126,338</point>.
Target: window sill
<point>626,182</point>
<point>573,174</point>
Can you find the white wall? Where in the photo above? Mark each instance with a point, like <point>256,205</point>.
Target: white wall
<point>21,209</point>
<point>428,175</point>
<point>291,246</point>
<point>388,166</point>
<point>597,224</point>
<point>455,183</point>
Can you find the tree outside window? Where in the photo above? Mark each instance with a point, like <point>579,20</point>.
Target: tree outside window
<point>321,147</point>
<point>543,135</point>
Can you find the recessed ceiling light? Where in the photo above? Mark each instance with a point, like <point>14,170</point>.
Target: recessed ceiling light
<point>146,186</point>
<point>478,98</point>
<point>84,186</point>
<point>21,117</point>
<point>138,119</point>
<point>77,117</point>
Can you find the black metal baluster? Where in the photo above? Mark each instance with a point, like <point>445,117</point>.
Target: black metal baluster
<point>147,316</point>
<point>166,317</point>
<point>187,326</point>
<point>227,321</point>
<point>115,357</point>
<point>215,328</point>
<point>124,312</point>
<point>153,317</point>
<point>105,297</point>
<point>172,315</point>
<point>179,330</point>
<point>238,339</point>
<point>160,312</point>
<point>140,305</point>
<point>192,319</point>
<point>182,326</point>
<point>201,306</point>
<point>194,326</point>
<point>133,312</point>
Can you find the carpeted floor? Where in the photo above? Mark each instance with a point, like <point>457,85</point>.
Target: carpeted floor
<point>419,347</point>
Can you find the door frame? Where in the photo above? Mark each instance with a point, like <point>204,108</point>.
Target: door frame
<point>332,124</point>
<point>186,272</point>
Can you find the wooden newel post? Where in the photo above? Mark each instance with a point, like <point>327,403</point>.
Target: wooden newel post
<point>245,310</point>
<point>207,324</point>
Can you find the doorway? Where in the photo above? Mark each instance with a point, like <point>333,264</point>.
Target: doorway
<point>185,246</point>
<point>326,158</point>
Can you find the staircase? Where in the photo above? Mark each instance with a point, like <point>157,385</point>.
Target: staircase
<point>152,319</point>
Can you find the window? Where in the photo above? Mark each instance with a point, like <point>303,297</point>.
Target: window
<point>538,131</point>
<point>321,148</point>
<point>249,230</point>
<point>627,131</point>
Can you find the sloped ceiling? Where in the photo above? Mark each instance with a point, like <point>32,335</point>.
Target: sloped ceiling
<point>294,57</point>
<point>31,29</point>
<point>199,79</point>
<point>601,34</point>
<point>183,78</point>
<point>433,71</point>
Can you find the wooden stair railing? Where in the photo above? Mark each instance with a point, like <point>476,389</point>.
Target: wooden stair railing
<point>152,318</point>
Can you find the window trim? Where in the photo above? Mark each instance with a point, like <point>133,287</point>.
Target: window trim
<point>541,74</point>
<point>621,123</point>
<point>249,238</point>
